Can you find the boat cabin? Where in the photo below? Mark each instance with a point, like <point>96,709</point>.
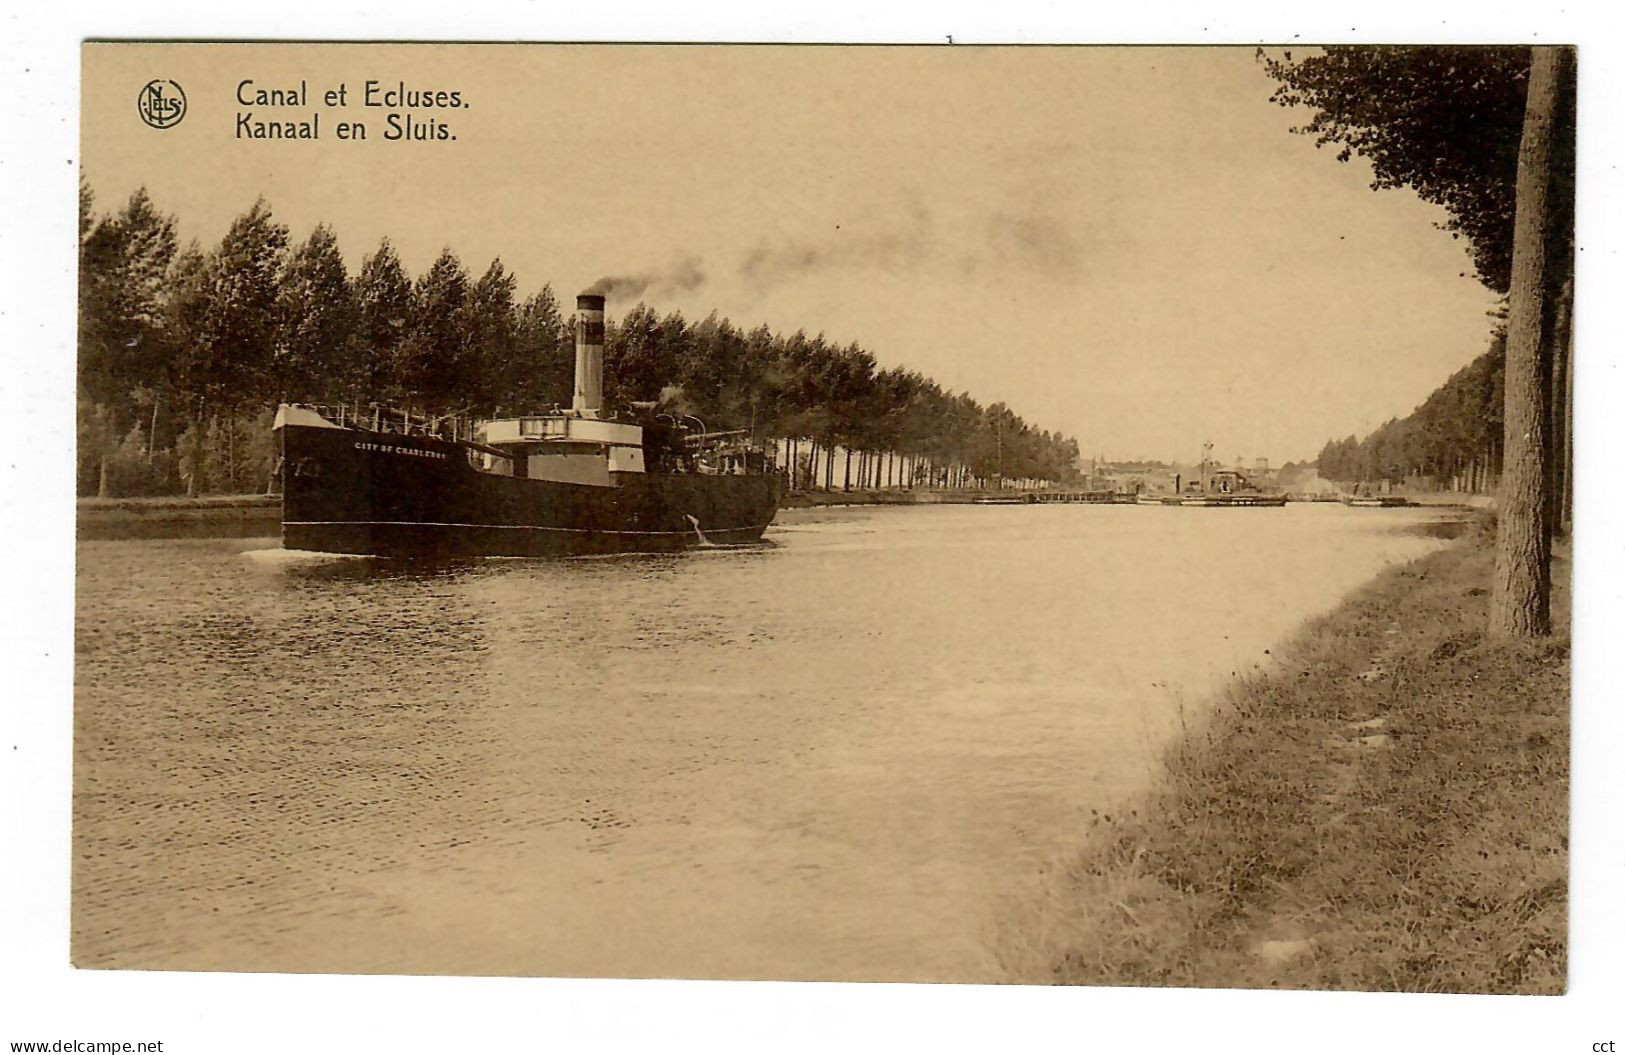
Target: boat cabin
<point>1222,482</point>
<point>562,447</point>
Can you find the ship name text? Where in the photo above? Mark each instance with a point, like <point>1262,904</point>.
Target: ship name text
<point>389,448</point>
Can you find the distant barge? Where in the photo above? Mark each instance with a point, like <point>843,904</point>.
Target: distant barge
<point>1233,501</point>
<point>1227,489</point>
<point>1054,497</point>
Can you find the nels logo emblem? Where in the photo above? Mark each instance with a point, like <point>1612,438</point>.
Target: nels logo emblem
<point>161,104</point>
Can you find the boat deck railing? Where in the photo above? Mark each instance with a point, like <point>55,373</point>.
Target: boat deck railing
<point>401,421</point>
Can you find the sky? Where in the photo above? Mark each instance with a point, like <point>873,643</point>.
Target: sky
<point>1126,245</point>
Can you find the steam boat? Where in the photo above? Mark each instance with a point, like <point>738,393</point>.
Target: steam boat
<point>563,482</point>
<point>1234,501</point>
<point>1226,489</point>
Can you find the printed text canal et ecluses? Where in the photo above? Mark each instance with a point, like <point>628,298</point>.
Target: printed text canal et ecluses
<point>397,112</point>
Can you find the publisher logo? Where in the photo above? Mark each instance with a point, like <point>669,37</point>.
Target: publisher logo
<point>161,104</point>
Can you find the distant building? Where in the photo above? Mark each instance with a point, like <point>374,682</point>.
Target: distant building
<point>1224,481</point>
<point>1256,474</point>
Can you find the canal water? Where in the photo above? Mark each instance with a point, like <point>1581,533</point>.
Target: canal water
<point>838,756</point>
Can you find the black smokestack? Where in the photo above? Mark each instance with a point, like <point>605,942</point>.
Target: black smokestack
<point>589,396</point>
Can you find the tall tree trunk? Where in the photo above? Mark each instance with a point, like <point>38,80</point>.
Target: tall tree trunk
<point>1560,500</point>
<point>194,452</point>
<point>1520,594</point>
<point>846,479</point>
<point>1567,452</point>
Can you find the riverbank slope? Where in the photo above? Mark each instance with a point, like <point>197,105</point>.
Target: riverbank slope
<point>203,516</point>
<point>1387,809</point>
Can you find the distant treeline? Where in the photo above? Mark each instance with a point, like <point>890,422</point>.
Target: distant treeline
<point>185,351</point>
<point>1451,442</point>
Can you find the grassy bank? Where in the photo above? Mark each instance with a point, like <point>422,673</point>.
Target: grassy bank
<point>178,503</point>
<point>204,516</point>
<point>1387,809</point>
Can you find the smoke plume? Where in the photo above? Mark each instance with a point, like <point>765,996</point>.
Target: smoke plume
<point>674,399</point>
<point>1034,241</point>
<point>1028,241</point>
<point>904,242</point>
<point>684,275</point>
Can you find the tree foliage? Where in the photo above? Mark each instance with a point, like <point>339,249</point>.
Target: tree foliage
<point>243,310</point>
<point>1456,430</point>
<point>1443,121</point>
<point>437,354</point>
<point>222,334</point>
<point>124,260</point>
<point>316,320</point>
<point>383,303</point>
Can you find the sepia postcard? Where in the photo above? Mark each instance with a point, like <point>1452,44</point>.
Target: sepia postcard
<point>1060,515</point>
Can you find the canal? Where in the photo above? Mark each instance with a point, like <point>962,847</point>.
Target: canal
<point>840,756</point>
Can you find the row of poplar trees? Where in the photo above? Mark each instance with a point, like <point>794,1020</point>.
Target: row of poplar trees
<point>184,352</point>
<point>1489,134</point>
<point>1452,442</point>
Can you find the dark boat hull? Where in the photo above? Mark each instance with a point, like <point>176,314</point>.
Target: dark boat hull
<point>1234,501</point>
<point>353,491</point>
